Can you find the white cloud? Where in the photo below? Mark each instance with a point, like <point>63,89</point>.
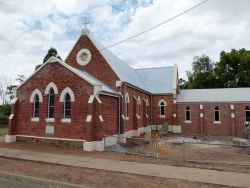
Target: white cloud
<point>29,28</point>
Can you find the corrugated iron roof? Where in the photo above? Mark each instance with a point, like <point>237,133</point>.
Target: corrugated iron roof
<point>157,80</point>
<point>214,95</point>
<point>153,80</point>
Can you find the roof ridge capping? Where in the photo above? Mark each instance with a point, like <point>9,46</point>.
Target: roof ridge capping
<point>170,66</point>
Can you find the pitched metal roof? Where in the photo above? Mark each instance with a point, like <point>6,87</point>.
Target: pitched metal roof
<point>214,95</point>
<point>154,80</point>
<point>157,80</point>
<point>121,68</point>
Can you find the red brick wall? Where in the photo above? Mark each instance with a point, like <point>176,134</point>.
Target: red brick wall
<point>134,123</point>
<point>98,67</point>
<point>210,128</point>
<point>110,113</point>
<point>157,120</point>
<point>62,77</point>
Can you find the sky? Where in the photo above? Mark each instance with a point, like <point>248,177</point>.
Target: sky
<point>29,28</point>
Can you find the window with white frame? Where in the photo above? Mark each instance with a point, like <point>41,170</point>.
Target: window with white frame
<point>188,114</point>
<point>51,103</point>
<point>138,110</point>
<point>36,106</point>
<point>162,105</point>
<point>126,105</point>
<point>247,112</point>
<point>67,106</point>
<point>216,114</point>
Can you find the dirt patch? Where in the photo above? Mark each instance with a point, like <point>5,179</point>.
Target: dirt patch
<point>234,156</point>
<point>93,178</point>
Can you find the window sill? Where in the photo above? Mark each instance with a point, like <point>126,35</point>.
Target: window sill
<point>146,115</point>
<point>50,120</point>
<point>35,119</point>
<point>66,120</point>
<point>162,116</point>
<point>188,121</point>
<point>138,117</point>
<point>127,118</point>
<point>217,122</point>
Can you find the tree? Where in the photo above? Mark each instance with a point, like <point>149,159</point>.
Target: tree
<point>51,52</point>
<point>202,75</point>
<point>233,69</point>
<point>183,83</point>
<point>10,88</point>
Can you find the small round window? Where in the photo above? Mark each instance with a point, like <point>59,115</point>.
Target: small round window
<point>83,57</point>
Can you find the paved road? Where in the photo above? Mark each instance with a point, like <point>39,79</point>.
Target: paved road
<point>8,180</point>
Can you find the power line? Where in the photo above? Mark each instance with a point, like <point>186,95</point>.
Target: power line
<point>158,25</point>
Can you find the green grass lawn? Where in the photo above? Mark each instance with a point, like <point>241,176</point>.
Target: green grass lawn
<point>3,131</point>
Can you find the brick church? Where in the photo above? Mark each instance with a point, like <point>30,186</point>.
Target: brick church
<point>93,94</point>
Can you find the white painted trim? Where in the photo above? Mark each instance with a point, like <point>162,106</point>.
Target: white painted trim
<point>101,118</point>
<point>217,122</point>
<point>91,99</point>
<point>50,119</point>
<point>35,119</point>
<point>162,116</point>
<point>164,102</point>
<point>64,92</point>
<point>201,115</point>
<point>201,106</point>
<point>50,138</point>
<point>56,60</point>
<point>232,107</point>
<point>187,121</point>
<point>11,116</point>
<point>9,138</point>
<point>127,118</point>
<point>78,58</point>
<point>51,85</point>
<point>138,117</point>
<point>93,146</point>
<point>139,100</point>
<point>98,99</point>
<point>118,83</point>
<point>232,115</point>
<point>175,78</point>
<point>89,118</point>
<point>99,50</point>
<point>66,120</point>
<point>14,101</point>
<point>38,92</point>
<point>123,117</point>
<point>97,89</point>
<point>126,97</point>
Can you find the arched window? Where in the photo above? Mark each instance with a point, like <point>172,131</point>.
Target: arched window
<point>216,114</point>
<point>188,114</point>
<point>51,103</point>
<point>162,104</point>
<point>162,109</point>
<point>126,105</point>
<point>138,107</point>
<point>36,107</point>
<point>67,106</point>
<point>247,111</point>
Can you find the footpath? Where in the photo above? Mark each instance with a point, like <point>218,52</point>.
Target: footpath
<point>183,173</point>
